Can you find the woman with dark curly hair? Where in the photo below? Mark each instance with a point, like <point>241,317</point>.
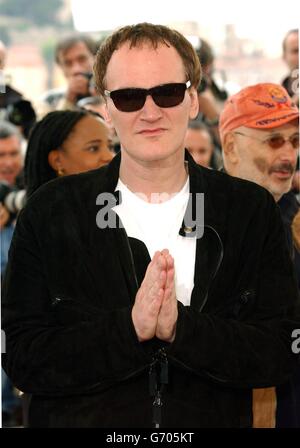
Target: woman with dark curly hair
<point>65,142</point>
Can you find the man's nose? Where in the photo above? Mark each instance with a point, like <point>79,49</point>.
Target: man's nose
<point>8,161</point>
<point>150,110</point>
<point>76,68</point>
<point>288,152</point>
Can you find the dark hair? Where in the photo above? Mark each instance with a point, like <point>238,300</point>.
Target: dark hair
<point>286,36</point>
<point>69,42</point>
<point>48,134</point>
<point>8,130</point>
<point>205,53</point>
<point>153,34</point>
<point>198,125</point>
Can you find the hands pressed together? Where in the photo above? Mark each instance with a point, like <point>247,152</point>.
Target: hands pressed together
<point>155,309</point>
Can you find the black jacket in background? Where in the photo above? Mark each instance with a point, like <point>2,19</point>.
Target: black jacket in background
<point>288,395</point>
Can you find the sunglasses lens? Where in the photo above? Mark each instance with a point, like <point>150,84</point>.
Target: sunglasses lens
<point>131,100</point>
<point>169,95</point>
<point>276,142</point>
<point>128,100</point>
<point>295,141</point>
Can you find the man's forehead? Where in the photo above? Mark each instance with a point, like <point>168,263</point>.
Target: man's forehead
<point>143,60</point>
<point>78,47</point>
<point>143,47</point>
<point>292,42</point>
<point>293,37</point>
<point>11,143</point>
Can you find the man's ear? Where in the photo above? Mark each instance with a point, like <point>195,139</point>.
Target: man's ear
<point>54,160</point>
<point>229,147</point>
<point>194,108</point>
<point>283,56</point>
<point>106,115</point>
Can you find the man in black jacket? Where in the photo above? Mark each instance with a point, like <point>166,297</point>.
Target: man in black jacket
<point>99,329</point>
<point>259,127</point>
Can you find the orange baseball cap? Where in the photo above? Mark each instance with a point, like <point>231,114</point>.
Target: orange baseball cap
<point>263,106</point>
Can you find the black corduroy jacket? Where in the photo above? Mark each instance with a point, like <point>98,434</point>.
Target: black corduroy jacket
<point>70,287</point>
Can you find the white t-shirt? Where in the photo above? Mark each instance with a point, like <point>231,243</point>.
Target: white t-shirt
<point>158,225</point>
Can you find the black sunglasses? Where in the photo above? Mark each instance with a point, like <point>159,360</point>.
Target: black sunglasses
<point>276,141</point>
<point>133,99</point>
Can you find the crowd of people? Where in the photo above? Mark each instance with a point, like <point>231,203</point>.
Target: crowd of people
<point>151,280</point>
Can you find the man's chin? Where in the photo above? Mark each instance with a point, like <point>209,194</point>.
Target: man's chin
<point>279,190</point>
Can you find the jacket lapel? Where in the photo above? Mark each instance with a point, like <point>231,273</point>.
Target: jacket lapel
<point>210,238</point>
<point>110,247</point>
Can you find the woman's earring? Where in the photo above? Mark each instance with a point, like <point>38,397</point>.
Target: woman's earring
<point>60,172</point>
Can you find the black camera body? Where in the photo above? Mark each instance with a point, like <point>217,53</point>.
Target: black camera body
<point>20,113</point>
<point>87,75</point>
<point>218,92</point>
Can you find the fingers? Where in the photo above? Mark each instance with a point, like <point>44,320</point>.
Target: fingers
<point>155,303</point>
<point>157,286</point>
<point>156,266</point>
<point>155,308</point>
<point>149,298</point>
<point>160,274</point>
<point>168,257</point>
<point>162,268</point>
<point>165,252</point>
<point>77,84</point>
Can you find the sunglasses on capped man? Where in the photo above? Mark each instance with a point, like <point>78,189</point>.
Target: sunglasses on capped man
<point>133,99</point>
<point>275,141</point>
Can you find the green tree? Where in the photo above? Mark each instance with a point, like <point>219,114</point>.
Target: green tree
<point>4,35</point>
<point>48,49</point>
<point>38,12</point>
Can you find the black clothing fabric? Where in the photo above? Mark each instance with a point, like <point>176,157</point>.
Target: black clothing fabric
<point>10,96</point>
<point>290,83</point>
<point>288,395</point>
<point>69,291</point>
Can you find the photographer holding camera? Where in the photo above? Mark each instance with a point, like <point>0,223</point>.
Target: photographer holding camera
<point>211,95</point>
<point>11,164</point>
<point>75,57</point>
<point>9,95</point>
<point>13,107</point>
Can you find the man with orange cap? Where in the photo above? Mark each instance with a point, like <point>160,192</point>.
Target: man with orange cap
<point>260,142</point>
<point>260,139</point>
